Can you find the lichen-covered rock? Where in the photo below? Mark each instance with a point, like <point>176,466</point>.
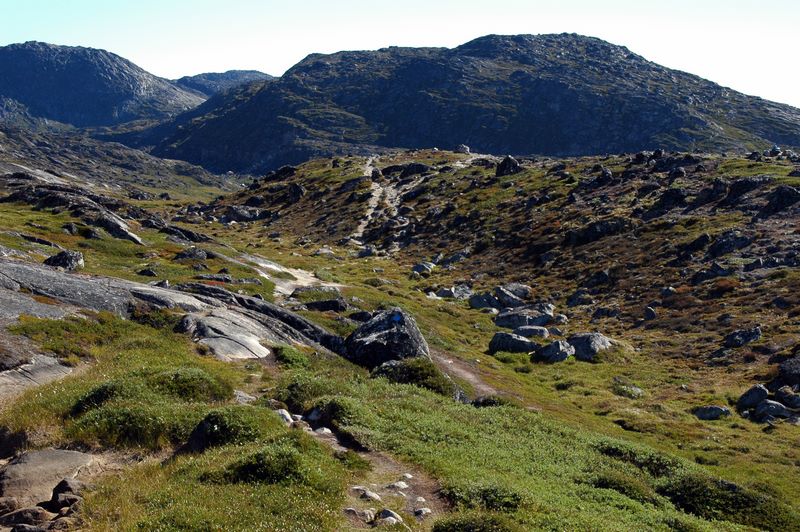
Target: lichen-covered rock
<point>752,397</point>
<point>588,345</point>
<point>390,335</point>
<point>511,343</point>
<point>69,260</point>
<point>557,351</point>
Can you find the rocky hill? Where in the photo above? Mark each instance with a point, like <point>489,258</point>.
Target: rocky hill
<point>447,340</point>
<point>546,94</point>
<point>211,83</point>
<point>86,87</point>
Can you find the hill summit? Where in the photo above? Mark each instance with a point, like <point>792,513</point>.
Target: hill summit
<point>525,94</point>
<point>85,86</point>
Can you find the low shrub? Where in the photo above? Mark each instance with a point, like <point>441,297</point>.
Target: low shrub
<point>418,371</point>
<point>155,318</point>
<point>150,426</point>
<point>475,522</point>
<point>632,487</point>
<point>98,396</point>
<point>645,459</point>
<point>234,424</point>
<point>191,384</point>
<point>710,498</point>
<point>290,357</point>
<point>488,401</point>
<point>486,497</point>
<point>290,459</point>
<point>301,388</point>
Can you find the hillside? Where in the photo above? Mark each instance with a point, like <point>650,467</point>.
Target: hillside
<point>547,94</point>
<point>85,86</point>
<point>577,343</point>
<point>211,83</point>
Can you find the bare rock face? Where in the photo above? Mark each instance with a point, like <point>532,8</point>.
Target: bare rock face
<point>390,335</point>
<point>30,479</point>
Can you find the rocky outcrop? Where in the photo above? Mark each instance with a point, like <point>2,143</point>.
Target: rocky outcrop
<point>31,477</point>
<point>232,325</point>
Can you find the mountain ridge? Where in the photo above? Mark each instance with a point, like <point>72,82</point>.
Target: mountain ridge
<point>86,86</point>
<point>560,95</point>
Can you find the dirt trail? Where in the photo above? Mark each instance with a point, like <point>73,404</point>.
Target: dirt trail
<point>384,472</point>
<point>466,371</point>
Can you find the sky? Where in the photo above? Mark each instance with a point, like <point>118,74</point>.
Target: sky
<point>748,45</point>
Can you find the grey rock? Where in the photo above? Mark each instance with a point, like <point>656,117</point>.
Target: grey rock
<point>788,397</point>
<point>192,253</point>
<point>484,300</point>
<point>650,314</point>
<point>780,199</point>
<point>588,345</point>
<point>459,291</point>
<point>424,268</point>
<point>538,315</point>
<point>728,242</point>
<point>711,412</point>
<point>389,335</point>
<point>511,343</point>
<point>580,297</point>
<point>389,514</point>
<point>519,290</point>
<point>742,337</point>
<point>767,410</point>
<point>529,331</point>
<point>508,166</point>
<point>716,270</point>
<point>507,299</point>
<point>69,260</point>
<point>34,515</point>
<point>31,477</point>
<point>117,227</point>
<point>557,351</point>
<point>752,397</point>
<point>789,371</point>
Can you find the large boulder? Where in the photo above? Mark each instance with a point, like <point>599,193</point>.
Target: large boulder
<point>588,345</point>
<point>752,397</point>
<point>529,331</point>
<point>511,343</point>
<point>788,397</point>
<point>389,335</point>
<point>484,300</point>
<point>768,410</point>
<point>557,351</point>
<point>69,260</point>
<point>789,371</point>
<point>507,298</point>
<point>508,166</point>
<point>539,315</point>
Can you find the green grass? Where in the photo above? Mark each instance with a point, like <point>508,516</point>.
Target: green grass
<point>144,387</point>
<point>504,459</point>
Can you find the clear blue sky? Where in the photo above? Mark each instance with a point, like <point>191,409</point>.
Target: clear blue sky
<point>749,45</point>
